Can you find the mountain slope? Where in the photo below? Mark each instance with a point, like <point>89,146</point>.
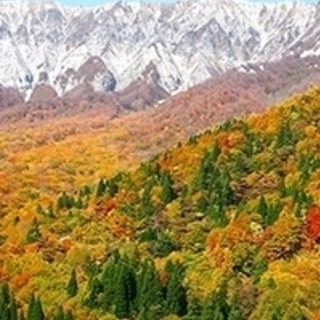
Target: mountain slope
<point>224,224</point>
<point>187,42</point>
<point>231,94</point>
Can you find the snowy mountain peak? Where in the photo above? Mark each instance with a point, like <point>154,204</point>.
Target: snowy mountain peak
<point>111,46</point>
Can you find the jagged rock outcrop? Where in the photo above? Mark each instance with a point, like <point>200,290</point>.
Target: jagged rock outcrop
<point>9,97</point>
<point>111,46</point>
<point>43,93</point>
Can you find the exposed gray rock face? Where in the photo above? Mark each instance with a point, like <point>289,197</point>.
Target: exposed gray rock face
<point>111,46</point>
<point>108,82</point>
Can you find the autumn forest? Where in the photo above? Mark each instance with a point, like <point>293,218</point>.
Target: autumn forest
<point>105,222</point>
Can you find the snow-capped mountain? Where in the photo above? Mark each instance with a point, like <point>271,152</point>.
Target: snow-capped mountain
<point>111,46</point>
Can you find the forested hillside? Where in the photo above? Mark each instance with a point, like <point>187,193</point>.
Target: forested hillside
<point>224,226</point>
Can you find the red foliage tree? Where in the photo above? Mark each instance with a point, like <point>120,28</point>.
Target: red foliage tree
<point>313,222</point>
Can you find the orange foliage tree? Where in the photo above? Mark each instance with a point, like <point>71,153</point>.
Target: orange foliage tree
<point>313,222</point>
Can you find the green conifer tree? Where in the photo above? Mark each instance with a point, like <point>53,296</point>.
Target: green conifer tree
<point>101,188</point>
<point>13,311</point>
<point>216,306</point>
<point>262,207</point>
<point>59,315</point>
<point>167,192</point>
<point>235,312</point>
<point>217,214</point>
<point>108,282</point>
<point>33,234</point>
<point>203,203</point>
<point>194,310</point>
<point>285,136</point>
<point>149,314</point>
<point>112,186</point>
<point>95,288</point>
<point>149,289</point>
<point>35,311</point>
<point>122,306</point>
<point>215,151</point>
<point>59,205</point>
<point>277,314</point>
<point>273,213</point>
<point>4,301</point>
<point>164,245</point>
<point>72,286</point>
<point>224,191</point>
<point>69,315</point>
<point>147,207</point>
<point>205,171</point>
<point>176,298</point>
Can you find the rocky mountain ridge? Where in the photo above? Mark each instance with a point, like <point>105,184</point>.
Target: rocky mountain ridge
<point>113,46</point>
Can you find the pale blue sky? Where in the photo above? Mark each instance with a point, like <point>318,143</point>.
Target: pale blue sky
<point>99,2</point>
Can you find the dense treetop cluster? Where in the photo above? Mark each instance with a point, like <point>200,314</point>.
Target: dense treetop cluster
<point>223,226</point>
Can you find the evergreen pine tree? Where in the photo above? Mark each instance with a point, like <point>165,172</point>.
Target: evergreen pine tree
<point>95,288</point>
<point>262,207</point>
<point>235,311</point>
<point>149,314</point>
<point>59,205</point>
<point>249,146</point>
<point>285,136</point>
<point>194,310</point>
<point>170,267</point>
<point>149,289</point>
<point>142,287</point>
<point>121,302</point>
<point>147,206</point>
<point>72,286</point>
<point>108,282</point>
<point>167,193</point>
<point>101,188</point>
<point>131,285</point>
<point>50,211</point>
<point>224,191</point>
<point>39,314</point>
<point>164,245</point>
<point>59,315</point>
<point>183,197</point>
<point>39,209</point>
<point>128,279</point>
<point>273,213</point>
<point>86,191</point>
<point>4,302</point>
<point>13,312</point>
<point>192,140</point>
<point>143,314</point>
<point>277,314</point>
<point>176,299</point>
<point>65,201</point>
<point>33,234</point>
<point>202,178</point>
<point>35,311</point>
<point>113,186</point>
<point>79,203</point>
<point>216,306</point>
<point>69,315</point>
<point>215,151</point>
<point>217,214</point>
<point>203,203</point>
